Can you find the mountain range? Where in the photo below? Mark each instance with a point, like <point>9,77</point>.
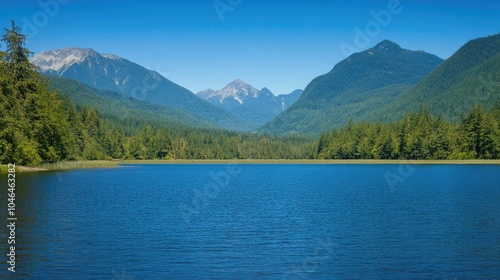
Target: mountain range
<point>249,103</point>
<point>110,72</point>
<point>378,85</point>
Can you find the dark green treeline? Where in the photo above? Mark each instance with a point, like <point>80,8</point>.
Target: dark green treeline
<point>418,136</point>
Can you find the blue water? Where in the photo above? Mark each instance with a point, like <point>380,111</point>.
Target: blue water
<point>258,222</point>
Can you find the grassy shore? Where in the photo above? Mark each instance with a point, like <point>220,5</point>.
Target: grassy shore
<point>307,161</point>
<point>68,165</point>
<point>64,165</point>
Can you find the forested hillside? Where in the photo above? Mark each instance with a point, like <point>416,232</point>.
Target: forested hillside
<point>356,88</point>
<point>119,107</point>
<point>470,77</point>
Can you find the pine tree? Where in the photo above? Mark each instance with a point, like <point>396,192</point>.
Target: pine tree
<point>162,142</point>
<point>470,130</point>
<point>23,74</point>
<point>19,81</point>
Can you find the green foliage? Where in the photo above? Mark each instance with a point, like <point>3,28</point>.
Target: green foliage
<point>19,83</point>
<point>471,77</point>
<point>36,124</point>
<point>419,136</point>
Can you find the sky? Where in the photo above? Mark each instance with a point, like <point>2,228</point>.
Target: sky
<point>278,44</point>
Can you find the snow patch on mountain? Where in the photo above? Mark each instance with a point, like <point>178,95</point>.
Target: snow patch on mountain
<point>59,60</point>
<point>111,56</point>
<point>235,91</point>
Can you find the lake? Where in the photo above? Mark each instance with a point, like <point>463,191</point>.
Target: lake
<point>258,222</point>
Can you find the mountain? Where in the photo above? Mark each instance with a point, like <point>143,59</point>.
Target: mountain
<point>249,103</point>
<point>110,72</point>
<point>356,88</point>
<point>471,76</point>
<point>234,94</point>
<point>119,106</point>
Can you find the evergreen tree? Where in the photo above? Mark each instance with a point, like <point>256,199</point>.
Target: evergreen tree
<point>19,81</point>
<point>470,131</point>
<point>162,143</point>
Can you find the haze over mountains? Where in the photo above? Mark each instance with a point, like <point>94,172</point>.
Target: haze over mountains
<point>249,103</point>
<point>379,84</point>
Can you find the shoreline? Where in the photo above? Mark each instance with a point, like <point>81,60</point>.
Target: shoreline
<point>73,165</point>
<point>116,163</point>
<point>315,161</point>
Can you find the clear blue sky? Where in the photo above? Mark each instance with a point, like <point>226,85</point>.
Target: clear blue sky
<point>279,44</point>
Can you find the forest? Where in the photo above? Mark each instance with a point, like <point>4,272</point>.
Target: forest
<point>38,125</point>
<point>419,136</point>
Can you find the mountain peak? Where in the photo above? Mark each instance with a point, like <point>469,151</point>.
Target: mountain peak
<point>62,58</point>
<point>241,86</point>
<point>266,92</point>
<point>387,45</point>
<point>80,52</point>
<point>237,83</point>
<point>236,90</point>
<point>247,102</point>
